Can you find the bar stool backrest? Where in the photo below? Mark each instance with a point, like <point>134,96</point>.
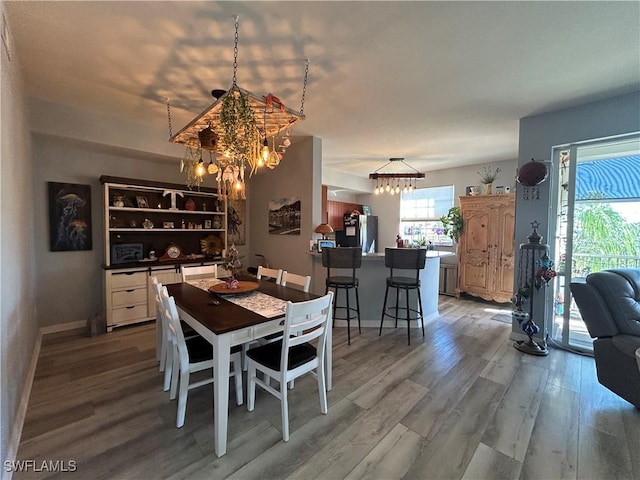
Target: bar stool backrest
<point>342,257</point>
<point>405,259</point>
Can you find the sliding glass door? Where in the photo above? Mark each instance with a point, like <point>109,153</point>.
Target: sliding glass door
<point>597,212</point>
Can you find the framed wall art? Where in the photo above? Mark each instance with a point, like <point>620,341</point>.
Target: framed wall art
<point>284,216</point>
<point>69,217</point>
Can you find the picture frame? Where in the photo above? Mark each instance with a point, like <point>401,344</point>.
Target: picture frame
<point>326,244</point>
<point>207,224</point>
<point>142,202</point>
<point>126,253</point>
<point>69,217</point>
<point>285,216</point>
<point>366,209</point>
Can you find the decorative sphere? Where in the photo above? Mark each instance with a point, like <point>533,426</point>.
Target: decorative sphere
<point>532,173</point>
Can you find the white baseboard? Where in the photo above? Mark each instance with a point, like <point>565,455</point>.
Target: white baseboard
<point>18,423</point>
<point>388,323</point>
<point>62,327</point>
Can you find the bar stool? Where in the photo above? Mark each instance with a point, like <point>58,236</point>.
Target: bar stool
<point>343,257</point>
<point>404,259</point>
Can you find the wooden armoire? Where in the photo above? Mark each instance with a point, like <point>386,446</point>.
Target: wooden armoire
<point>486,247</point>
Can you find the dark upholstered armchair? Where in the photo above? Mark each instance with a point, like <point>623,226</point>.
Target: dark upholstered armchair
<point>609,302</point>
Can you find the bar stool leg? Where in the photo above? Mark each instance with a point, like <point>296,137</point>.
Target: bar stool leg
<point>335,304</point>
<point>384,309</point>
<point>358,310</point>
<point>421,316</point>
<point>397,302</point>
<point>408,318</point>
<point>346,292</point>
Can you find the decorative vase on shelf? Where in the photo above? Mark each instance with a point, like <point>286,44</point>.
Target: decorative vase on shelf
<point>488,188</point>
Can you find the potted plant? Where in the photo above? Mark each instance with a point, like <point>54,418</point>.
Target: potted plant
<point>487,177</point>
<point>452,223</point>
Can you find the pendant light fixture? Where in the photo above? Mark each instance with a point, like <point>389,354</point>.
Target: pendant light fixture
<point>392,183</point>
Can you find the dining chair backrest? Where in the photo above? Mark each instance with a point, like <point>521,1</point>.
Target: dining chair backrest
<point>303,322</point>
<point>293,278</point>
<point>201,271</point>
<point>173,323</point>
<point>342,257</point>
<point>264,272</point>
<point>405,259</point>
<point>160,346</point>
<point>168,338</point>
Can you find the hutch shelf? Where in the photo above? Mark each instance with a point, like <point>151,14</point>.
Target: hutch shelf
<point>142,220</point>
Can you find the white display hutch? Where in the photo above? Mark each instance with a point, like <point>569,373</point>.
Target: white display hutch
<point>142,216</point>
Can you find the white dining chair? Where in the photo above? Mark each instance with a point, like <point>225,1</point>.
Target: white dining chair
<point>293,355</point>
<point>163,338</point>
<point>193,355</point>
<point>287,279</point>
<point>197,272</point>
<point>264,272</point>
<point>302,281</point>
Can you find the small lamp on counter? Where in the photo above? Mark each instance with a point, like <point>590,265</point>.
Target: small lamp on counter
<point>324,229</point>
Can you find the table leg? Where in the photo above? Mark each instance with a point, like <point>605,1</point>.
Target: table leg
<point>221,356</point>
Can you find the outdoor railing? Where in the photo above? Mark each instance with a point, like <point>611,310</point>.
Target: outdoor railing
<point>584,264</point>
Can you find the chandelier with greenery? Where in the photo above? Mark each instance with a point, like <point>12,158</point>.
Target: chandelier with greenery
<point>241,131</point>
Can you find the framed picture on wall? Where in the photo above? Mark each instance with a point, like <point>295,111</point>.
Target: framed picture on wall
<point>69,217</point>
<point>366,210</point>
<point>284,216</point>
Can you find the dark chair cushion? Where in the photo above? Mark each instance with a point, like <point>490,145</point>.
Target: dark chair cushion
<point>342,282</point>
<point>200,350</point>
<point>269,355</point>
<point>403,282</point>
<point>187,330</point>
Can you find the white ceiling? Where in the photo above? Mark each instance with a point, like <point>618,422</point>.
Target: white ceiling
<point>440,83</point>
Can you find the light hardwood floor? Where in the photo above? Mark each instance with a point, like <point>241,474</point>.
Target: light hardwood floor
<point>460,403</point>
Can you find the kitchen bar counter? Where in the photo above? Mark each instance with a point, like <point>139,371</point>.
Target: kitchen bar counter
<point>372,276</point>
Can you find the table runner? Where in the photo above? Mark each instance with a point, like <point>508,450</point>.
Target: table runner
<point>257,302</point>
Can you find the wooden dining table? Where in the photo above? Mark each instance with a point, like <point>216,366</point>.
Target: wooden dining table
<point>225,324</point>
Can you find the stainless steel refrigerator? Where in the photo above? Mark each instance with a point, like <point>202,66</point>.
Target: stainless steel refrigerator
<point>359,231</point>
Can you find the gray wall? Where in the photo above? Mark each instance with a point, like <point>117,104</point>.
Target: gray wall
<point>538,136</point>
<point>69,285</point>
<point>18,326</point>
<point>299,175</point>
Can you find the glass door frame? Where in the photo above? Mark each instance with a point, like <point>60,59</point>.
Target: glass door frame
<point>555,200</point>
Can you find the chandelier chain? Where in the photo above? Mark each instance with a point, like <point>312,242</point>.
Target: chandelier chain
<point>304,85</point>
<point>169,118</point>
<point>235,52</point>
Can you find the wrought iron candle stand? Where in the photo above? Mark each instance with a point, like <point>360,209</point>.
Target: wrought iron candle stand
<point>534,272</point>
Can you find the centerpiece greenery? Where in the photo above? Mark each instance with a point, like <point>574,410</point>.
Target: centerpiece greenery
<point>452,223</point>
